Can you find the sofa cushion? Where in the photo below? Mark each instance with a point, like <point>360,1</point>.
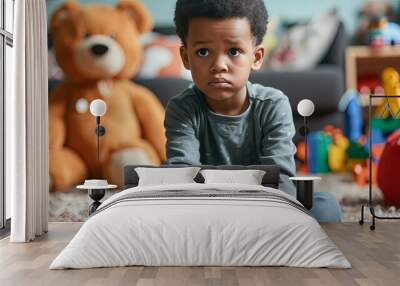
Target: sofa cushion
<point>323,85</point>
<point>164,87</point>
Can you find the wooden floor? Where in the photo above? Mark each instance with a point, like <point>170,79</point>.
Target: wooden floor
<point>374,255</point>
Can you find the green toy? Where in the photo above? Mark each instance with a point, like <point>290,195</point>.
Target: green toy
<point>319,144</point>
<point>357,151</point>
<point>386,125</point>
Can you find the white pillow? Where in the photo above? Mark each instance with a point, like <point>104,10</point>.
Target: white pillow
<point>248,177</point>
<point>303,46</point>
<point>166,176</point>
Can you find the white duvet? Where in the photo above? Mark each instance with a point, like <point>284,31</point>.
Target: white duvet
<point>207,230</point>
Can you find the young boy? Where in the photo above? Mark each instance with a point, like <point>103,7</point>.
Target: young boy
<point>223,118</point>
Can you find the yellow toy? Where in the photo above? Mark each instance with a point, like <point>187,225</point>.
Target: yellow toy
<point>391,86</point>
<point>337,157</point>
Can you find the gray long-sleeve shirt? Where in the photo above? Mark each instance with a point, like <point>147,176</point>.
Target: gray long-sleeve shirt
<point>260,135</point>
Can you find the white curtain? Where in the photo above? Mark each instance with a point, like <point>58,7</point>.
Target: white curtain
<point>26,124</point>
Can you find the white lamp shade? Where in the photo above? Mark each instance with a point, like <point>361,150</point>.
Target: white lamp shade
<point>305,107</point>
<point>98,107</point>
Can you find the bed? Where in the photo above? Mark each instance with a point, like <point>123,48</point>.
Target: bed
<point>201,224</point>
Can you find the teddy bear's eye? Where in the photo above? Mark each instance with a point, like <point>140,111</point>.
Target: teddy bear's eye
<point>113,35</point>
<point>87,35</point>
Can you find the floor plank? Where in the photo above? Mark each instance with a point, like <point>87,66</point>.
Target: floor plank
<point>374,255</point>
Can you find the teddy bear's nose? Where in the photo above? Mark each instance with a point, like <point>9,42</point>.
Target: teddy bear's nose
<point>99,49</point>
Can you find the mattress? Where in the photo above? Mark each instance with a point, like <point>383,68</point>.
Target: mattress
<point>201,225</point>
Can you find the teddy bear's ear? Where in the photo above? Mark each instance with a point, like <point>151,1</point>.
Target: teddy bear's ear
<point>63,12</point>
<point>138,13</point>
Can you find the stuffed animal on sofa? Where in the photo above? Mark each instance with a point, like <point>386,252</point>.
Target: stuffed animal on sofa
<point>98,49</point>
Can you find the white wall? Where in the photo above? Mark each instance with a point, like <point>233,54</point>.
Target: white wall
<point>163,10</point>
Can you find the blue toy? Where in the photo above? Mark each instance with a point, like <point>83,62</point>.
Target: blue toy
<point>391,33</point>
<point>350,105</point>
<point>377,136</point>
<point>381,32</point>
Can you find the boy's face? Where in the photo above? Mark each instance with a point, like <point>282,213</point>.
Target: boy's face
<point>220,55</point>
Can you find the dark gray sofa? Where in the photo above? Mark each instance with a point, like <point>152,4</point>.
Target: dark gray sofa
<point>324,85</point>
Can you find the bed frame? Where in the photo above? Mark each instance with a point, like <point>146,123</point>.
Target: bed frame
<point>270,179</point>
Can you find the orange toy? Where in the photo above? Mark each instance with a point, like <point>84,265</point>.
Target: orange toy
<point>301,155</point>
<point>361,173</point>
<point>98,48</point>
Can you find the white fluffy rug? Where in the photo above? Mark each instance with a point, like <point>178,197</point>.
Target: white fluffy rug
<point>73,205</point>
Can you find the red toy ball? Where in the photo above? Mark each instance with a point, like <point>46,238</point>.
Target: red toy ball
<point>389,170</point>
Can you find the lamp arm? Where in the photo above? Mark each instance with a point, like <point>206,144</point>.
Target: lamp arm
<point>98,138</point>
<point>305,141</point>
<point>100,131</point>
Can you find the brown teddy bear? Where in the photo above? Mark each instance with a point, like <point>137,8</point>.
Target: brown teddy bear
<point>98,49</point>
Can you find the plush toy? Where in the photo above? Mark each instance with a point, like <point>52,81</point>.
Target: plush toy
<point>388,170</point>
<point>371,10</point>
<point>98,49</point>
<point>162,57</point>
<point>381,32</point>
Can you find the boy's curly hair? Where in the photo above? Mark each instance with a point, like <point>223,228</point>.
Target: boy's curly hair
<point>253,10</point>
